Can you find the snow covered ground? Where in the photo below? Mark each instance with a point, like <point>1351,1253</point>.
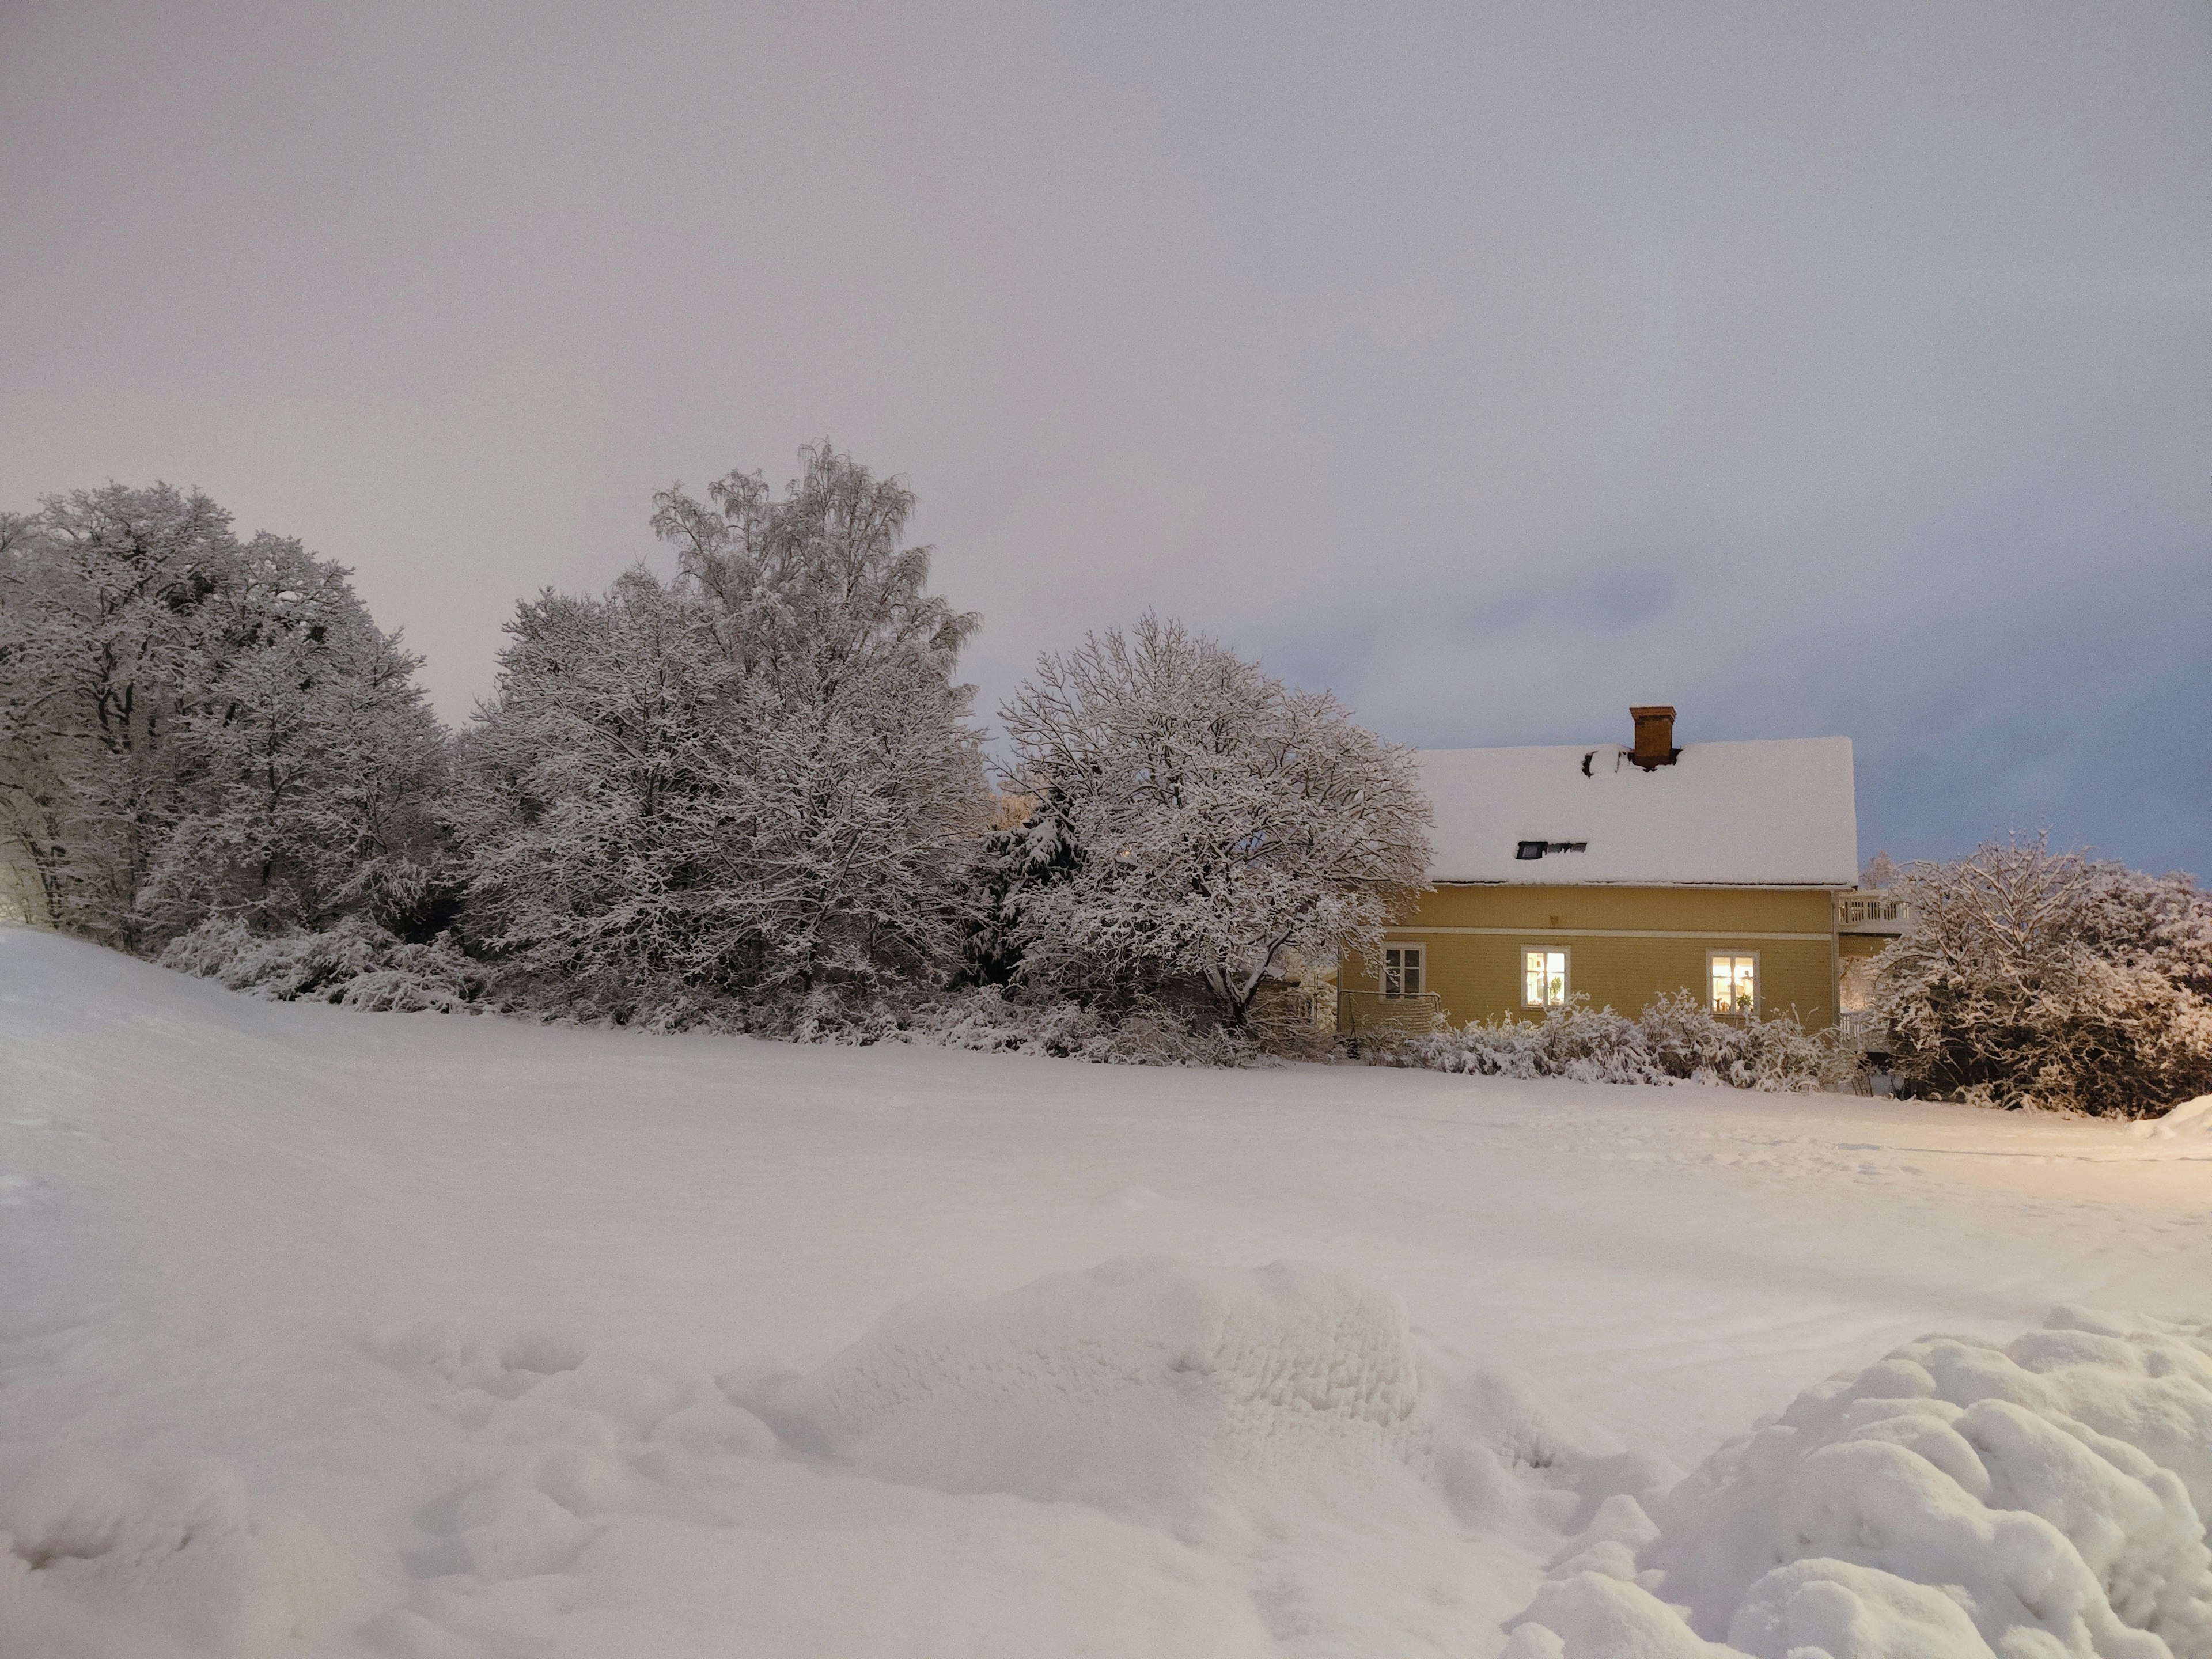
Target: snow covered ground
<point>352,1334</point>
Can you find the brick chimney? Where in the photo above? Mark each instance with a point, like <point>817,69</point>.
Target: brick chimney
<point>1654,737</point>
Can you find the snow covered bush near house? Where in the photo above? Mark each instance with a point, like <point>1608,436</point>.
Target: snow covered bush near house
<point>986,1020</point>
<point>979,1018</point>
<point>1676,1039</point>
<point>357,964</point>
<point>1956,1498</point>
<point>2030,977</point>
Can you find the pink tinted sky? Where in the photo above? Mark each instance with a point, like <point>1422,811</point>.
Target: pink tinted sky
<point>1820,370</point>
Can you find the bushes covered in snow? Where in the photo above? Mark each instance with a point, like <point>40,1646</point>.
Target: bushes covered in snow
<point>1676,1039</point>
<point>356,964</point>
<point>1956,1499</point>
<point>986,1020</point>
<point>2031,977</point>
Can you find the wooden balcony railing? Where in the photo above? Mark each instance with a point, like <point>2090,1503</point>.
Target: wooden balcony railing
<point>1871,913</point>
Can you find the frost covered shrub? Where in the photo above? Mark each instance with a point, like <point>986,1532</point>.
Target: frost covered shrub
<point>1197,821</point>
<point>1676,1039</point>
<point>750,783</point>
<point>988,1020</point>
<point>985,1018</point>
<point>356,964</point>
<point>2030,977</point>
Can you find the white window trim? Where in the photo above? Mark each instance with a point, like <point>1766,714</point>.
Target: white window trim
<point>1758,979</point>
<point>1567,976</point>
<point>1421,949</point>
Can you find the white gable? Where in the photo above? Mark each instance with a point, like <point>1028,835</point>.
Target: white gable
<point>1745,814</point>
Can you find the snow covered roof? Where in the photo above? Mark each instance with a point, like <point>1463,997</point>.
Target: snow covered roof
<point>1772,814</point>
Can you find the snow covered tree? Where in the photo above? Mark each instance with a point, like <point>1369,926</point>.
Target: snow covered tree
<point>318,767</point>
<point>592,804</point>
<point>2051,978</point>
<point>757,778</point>
<point>1024,850</point>
<point>1199,821</point>
<point>193,727</point>
<point>104,642</point>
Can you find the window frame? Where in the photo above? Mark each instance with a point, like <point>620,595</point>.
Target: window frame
<point>1758,981</point>
<point>1566,975</point>
<point>1419,949</point>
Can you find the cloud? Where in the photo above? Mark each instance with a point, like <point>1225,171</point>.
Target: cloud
<point>1837,371</point>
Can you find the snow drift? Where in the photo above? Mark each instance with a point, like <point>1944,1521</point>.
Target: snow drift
<point>2191,1121</point>
<point>1953,1499</point>
<point>1145,1386</point>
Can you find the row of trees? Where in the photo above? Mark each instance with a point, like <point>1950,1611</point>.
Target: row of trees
<point>754,792</point>
<point>751,792</point>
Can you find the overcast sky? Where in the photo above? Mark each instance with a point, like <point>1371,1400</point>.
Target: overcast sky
<point>1817,368</point>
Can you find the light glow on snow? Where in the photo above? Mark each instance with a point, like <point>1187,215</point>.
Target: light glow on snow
<point>333,1332</point>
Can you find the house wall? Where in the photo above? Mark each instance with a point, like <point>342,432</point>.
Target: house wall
<point>1626,945</point>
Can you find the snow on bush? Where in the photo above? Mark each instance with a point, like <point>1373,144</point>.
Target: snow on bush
<point>356,964</point>
<point>1953,1499</point>
<point>2031,977</point>
<point>983,1020</point>
<point>986,1020</point>
<point>1676,1039</point>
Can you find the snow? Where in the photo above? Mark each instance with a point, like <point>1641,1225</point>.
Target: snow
<point>2191,1120</point>
<point>1772,813</point>
<point>328,1332</point>
<point>1148,1387</point>
<point>2044,1497</point>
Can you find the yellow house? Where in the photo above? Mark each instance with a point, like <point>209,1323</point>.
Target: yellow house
<point>1620,874</point>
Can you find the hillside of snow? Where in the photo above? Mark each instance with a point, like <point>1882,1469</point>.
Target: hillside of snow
<point>344,1334</point>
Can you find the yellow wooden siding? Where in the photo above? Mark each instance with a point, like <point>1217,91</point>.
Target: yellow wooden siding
<point>1626,945</point>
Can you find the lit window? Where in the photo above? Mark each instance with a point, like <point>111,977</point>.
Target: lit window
<point>1401,970</point>
<point>1735,984</point>
<point>1543,979</point>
